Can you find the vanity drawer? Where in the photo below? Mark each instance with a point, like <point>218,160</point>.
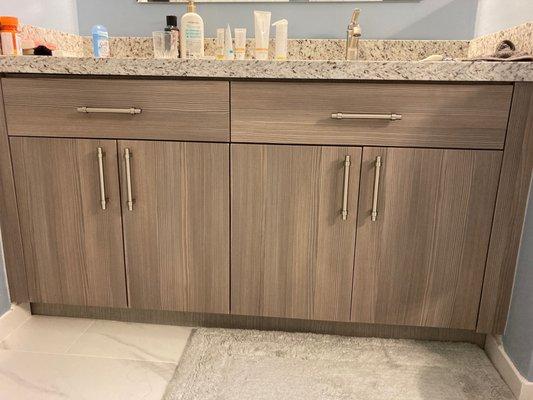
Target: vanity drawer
<point>432,115</point>
<point>169,110</point>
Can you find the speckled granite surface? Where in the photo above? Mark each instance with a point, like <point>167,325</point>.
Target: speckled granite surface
<point>380,60</point>
<point>251,69</point>
<point>309,49</point>
<point>68,44</point>
<point>521,36</point>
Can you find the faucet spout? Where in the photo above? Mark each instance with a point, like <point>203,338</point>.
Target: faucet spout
<point>353,35</point>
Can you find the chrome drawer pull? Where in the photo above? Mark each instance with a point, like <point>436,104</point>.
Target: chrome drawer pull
<point>93,110</point>
<point>347,164</point>
<point>386,117</point>
<point>377,174</point>
<point>103,199</point>
<point>129,201</point>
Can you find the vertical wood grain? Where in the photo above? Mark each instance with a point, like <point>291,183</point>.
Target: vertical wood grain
<point>177,236</point>
<point>292,254</point>
<point>73,248</point>
<point>513,192</point>
<point>422,262</point>
<point>9,220</point>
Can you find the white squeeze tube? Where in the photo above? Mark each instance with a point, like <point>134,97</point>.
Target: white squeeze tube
<point>262,34</point>
<point>240,43</point>
<point>228,45</point>
<point>282,27</point>
<point>220,44</point>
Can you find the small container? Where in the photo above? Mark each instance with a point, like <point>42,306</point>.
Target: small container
<point>221,34</point>
<point>240,43</point>
<point>282,27</point>
<point>9,36</point>
<point>262,34</point>
<point>172,26</point>
<point>229,54</point>
<point>101,47</point>
<point>166,44</point>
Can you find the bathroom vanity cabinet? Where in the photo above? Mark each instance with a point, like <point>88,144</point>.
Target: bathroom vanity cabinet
<point>382,203</point>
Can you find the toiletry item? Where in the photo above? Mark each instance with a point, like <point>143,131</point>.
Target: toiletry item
<point>282,27</point>
<point>101,47</point>
<point>262,34</point>
<point>228,45</point>
<point>166,44</point>
<point>192,33</point>
<point>219,55</point>
<point>174,36</point>
<point>9,36</point>
<point>240,43</point>
<point>28,47</point>
<point>42,50</point>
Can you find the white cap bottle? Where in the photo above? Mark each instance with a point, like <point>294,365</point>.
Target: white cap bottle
<point>192,33</point>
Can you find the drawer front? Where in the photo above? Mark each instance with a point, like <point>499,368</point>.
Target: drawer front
<point>171,110</point>
<point>455,116</point>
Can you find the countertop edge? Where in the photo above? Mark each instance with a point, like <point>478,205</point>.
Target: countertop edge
<point>443,71</point>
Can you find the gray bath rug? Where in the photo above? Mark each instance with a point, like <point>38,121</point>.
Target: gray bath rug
<point>227,364</point>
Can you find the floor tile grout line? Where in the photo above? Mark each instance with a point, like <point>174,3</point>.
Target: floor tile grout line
<point>88,356</point>
<point>79,336</point>
<point>16,328</point>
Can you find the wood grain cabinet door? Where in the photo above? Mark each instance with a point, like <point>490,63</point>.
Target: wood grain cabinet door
<point>177,231</point>
<point>421,262</point>
<point>292,252</point>
<point>72,246</point>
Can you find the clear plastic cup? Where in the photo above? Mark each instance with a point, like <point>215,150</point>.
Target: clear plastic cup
<point>166,44</point>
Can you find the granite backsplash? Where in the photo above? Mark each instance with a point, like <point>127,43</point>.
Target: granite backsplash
<point>304,49</point>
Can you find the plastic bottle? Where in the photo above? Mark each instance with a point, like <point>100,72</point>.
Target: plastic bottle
<point>9,36</point>
<point>101,47</point>
<point>192,34</point>
<point>172,28</point>
<point>281,39</point>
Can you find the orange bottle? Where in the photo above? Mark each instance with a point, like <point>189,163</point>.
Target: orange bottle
<point>9,27</point>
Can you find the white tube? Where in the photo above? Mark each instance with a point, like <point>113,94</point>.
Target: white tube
<point>240,43</point>
<point>219,55</point>
<point>228,45</point>
<point>281,39</point>
<point>262,34</point>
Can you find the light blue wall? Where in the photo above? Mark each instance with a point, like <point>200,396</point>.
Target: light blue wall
<point>427,19</point>
<point>518,338</point>
<point>52,14</point>
<point>495,15</point>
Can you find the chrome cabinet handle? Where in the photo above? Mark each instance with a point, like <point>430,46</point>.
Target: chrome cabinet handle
<point>347,164</point>
<point>127,158</point>
<point>377,173</point>
<point>387,117</point>
<point>96,110</point>
<point>103,199</point>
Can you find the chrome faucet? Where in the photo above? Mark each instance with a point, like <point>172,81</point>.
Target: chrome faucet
<point>353,35</point>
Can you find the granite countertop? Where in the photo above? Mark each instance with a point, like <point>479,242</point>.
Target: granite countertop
<point>394,60</point>
<point>462,71</point>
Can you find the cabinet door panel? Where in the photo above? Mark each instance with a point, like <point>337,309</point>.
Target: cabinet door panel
<point>177,235</point>
<point>292,254</point>
<point>422,261</point>
<point>73,248</point>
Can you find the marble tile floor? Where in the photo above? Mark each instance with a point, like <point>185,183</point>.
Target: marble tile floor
<point>48,358</point>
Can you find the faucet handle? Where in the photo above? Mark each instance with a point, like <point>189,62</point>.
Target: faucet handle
<point>355,17</point>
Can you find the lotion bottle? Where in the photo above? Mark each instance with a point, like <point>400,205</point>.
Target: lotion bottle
<point>192,33</point>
